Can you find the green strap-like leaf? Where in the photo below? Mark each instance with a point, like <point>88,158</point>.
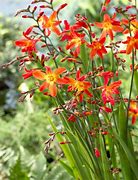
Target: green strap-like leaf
<point>131,159</point>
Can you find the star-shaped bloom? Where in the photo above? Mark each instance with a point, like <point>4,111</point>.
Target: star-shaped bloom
<point>49,24</point>
<point>50,78</point>
<point>79,85</point>
<point>97,47</point>
<point>132,43</point>
<point>109,90</point>
<point>74,38</point>
<point>109,25</point>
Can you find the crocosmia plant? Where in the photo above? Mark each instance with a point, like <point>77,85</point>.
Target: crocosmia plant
<point>89,69</point>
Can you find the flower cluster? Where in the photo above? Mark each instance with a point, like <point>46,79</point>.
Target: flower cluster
<point>84,67</point>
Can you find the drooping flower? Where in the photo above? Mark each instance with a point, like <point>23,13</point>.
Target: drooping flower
<point>109,90</point>
<point>97,47</point>
<point>133,111</point>
<point>73,37</point>
<point>133,26</point>
<point>109,25</point>
<point>106,76</point>
<point>50,78</point>
<point>66,34</point>
<point>28,73</point>
<point>27,44</point>
<point>132,43</point>
<point>79,85</point>
<point>49,24</point>
<point>75,43</point>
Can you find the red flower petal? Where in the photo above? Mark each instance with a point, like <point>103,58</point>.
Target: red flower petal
<point>38,74</point>
<point>53,90</point>
<point>44,86</point>
<point>60,70</point>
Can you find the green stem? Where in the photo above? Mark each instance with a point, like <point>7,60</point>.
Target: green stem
<point>131,86</point>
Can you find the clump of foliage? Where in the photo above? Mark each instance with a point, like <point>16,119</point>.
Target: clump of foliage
<point>82,75</point>
<point>21,143</point>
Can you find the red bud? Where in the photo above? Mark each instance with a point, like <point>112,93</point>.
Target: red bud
<point>25,16</point>
<point>61,7</point>
<point>97,152</point>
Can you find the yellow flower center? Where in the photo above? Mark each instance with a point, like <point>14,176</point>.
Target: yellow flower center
<point>29,43</point>
<point>49,24</point>
<point>133,41</point>
<point>97,45</point>
<point>76,41</point>
<point>79,86</point>
<point>108,91</point>
<point>134,26</point>
<point>107,25</point>
<point>51,78</point>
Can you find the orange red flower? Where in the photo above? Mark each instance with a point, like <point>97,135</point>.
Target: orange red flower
<point>133,111</point>
<point>106,76</point>
<point>132,43</point>
<point>133,26</point>
<point>28,73</point>
<point>76,41</point>
<point>50,23</point>
<point>79,85</point>
<point>74,38</point>
<point>109,90</point>
<point>27,44</point>
<point>50,78</point>
<point>109,25</point>
<point>97,47</point>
